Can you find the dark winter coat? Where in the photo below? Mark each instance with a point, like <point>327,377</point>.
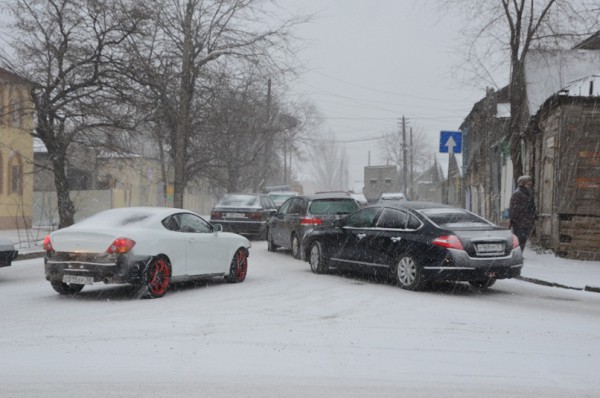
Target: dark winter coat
<point>522,210</point>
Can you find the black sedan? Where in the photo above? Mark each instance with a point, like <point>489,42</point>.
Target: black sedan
<point>244,213</point>
<point>415,243</point>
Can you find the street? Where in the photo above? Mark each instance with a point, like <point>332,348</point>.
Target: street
<point>288,332</point>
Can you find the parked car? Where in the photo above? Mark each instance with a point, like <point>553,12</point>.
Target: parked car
<point>299,215</point>
<point>8,252</point>
<point>144,246</point>
<point>387,196</point>
<point>415,243</point>
<point>245,214</point>
<point>360,199</point>
<point>279,197</point>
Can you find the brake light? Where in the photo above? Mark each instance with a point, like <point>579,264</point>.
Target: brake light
<point>48,244</point>
<point>449,242</point>
<point>515,242</point>
<point>255,216</point>
<point>311,221</point>
<point>120,245</point>
<point>216,214</point>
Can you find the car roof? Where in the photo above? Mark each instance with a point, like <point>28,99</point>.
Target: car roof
<point>414,205</point>
<point>329,195</point>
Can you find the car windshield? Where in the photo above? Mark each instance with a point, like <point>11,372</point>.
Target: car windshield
<point>455,218</point>
<point>240,201</point>
<point>332,206</point>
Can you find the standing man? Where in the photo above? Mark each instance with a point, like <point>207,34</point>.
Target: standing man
<point>522,210</point>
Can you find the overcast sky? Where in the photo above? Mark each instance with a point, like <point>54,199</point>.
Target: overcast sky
<point>372,61</point>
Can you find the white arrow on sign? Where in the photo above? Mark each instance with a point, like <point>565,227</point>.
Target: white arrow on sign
<point>451,144</point>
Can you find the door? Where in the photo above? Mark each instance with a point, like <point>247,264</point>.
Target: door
<point>354,251</point>
<point>205,250</point>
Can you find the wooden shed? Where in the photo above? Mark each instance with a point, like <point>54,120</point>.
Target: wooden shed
<point>567,172</point>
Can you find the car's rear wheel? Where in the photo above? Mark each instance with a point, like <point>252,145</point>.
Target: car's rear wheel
<point>295,246</point>
<point>158,277</point>
<point>484,284</point>
<point>239,267</point>
<point>319,264</point>
<point>271,246</point>
<point>67,289</point>
<point>407,273</point>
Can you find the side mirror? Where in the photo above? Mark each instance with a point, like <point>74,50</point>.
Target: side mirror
<point>217,228</point>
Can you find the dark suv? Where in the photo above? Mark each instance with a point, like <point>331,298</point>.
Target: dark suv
<point>300,214</point>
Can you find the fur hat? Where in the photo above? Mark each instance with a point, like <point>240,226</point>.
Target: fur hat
<point>521,181</point>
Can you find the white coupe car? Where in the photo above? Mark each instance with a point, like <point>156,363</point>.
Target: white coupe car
<point>149,247</point>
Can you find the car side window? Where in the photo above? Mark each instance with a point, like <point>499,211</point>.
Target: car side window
<point>171,223</point>
<point>363,218</point>
<point>268,203</point>
<point>285,207</point>
<point>413,222</point>
<point>392,218</point>
<point>295,206</point>
<point>193,223</point>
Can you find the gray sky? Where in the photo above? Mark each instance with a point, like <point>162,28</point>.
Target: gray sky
<point>372,61</point>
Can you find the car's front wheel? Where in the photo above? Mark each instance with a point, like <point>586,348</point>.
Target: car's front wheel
<point>239,267</point>
<point>67,289</point>
<point>407,273</point>
<point>295,246</point>
<point>319,263</point>
<point>158,277</point>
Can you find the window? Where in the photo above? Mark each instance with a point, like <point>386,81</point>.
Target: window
<point>192,223</point>
<point>15,179</point>
<point>16,113</point>
<point>363,219</point>
<point>394,219</point>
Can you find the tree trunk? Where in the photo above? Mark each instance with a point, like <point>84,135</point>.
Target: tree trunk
<point>518,117</point>
<point>66,209</point>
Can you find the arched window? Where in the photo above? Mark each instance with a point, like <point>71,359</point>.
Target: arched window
<point>15,170</point>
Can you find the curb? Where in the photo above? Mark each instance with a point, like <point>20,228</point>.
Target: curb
<point>553,284</point>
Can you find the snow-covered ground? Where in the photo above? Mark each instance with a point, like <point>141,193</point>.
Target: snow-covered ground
<point>286,332</point>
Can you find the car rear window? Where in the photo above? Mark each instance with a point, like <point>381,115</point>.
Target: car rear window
<point>240,201</point>
<point>332,206</point>
<point>455,218</point>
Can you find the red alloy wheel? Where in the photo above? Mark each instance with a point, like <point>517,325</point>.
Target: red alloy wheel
<point>239,266</point>
<point>159,277</point>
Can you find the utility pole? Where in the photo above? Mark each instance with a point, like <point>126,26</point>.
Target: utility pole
<point>404,160</point>
<point>412,177</point>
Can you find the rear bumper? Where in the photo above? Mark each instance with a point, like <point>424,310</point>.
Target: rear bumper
<point>7,256</point>
<point>121,269</point>
<point>257,228</point>
<point>465,268</point>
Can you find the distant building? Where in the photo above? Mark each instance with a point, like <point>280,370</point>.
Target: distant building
<point>379,179</point>
<point>16,152</point>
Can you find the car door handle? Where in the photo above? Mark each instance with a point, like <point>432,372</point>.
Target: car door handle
<point>395,239</point>
<point>360,236</point>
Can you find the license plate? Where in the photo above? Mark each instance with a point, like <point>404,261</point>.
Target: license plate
<point>490,248</point>
<point>80,280</point>
<point>235,215</point>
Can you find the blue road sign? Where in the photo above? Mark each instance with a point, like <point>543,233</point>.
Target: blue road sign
<point>451,141</point>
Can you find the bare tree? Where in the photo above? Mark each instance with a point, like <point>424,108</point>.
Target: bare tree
<point>186,37</point>
<point>68,50</point>
<point>514,27</point>
<point>329,164</point>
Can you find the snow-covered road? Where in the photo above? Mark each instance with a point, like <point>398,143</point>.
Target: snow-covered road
<point>288,332</point>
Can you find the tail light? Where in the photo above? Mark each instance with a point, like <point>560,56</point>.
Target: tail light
<point>255,215</point>
<point>120,245</point>
<point>515,242</point>
<point>449,242</point>
<point>216,214</point>
<point>311,221</point>
<point>48,244</point>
